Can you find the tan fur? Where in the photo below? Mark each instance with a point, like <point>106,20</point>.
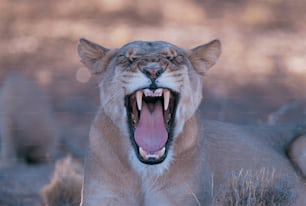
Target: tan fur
<point>202,152</point>
<point>65,185</point>
<point>28,131</point>
<point>297,153</point>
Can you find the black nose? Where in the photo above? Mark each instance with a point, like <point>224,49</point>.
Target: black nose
<point>152,72</point>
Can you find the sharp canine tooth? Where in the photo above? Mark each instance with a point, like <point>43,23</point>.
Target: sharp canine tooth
<point>166,98</point>
<point>143,153</point>
<point>161,152</point>
<point>139,99</point>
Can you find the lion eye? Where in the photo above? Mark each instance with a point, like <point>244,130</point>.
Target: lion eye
<point>122,59</point>
<point>179,59</point>
<point>169,57</point>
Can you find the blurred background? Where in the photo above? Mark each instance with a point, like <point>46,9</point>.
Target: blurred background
<point>260,78</point>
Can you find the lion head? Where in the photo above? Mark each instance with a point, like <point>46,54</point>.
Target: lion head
<point>150,89</point>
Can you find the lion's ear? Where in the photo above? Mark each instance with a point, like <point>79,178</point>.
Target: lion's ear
<point>93,55</point>
<point>205,56</point>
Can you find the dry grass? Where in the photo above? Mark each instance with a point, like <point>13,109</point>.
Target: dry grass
<point>243,188</point>
<point>65,185</point>
<point>260,188</point>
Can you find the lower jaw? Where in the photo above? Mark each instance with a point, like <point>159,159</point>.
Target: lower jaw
<point>151,159</point>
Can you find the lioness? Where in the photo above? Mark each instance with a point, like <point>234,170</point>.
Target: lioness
<point>148,146</point>
<point>27,126</point>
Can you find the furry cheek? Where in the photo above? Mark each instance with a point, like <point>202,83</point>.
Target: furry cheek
<point>133,82</point>
<point>113,106</point>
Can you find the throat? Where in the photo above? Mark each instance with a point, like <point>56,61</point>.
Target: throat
<point>152,106</point>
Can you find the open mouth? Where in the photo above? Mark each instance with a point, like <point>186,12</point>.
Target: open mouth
<point>151,114</point>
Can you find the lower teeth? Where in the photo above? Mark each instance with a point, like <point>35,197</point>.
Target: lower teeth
<point>155,155</point>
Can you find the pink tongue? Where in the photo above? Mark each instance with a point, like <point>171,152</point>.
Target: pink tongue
<point>150,133</point>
